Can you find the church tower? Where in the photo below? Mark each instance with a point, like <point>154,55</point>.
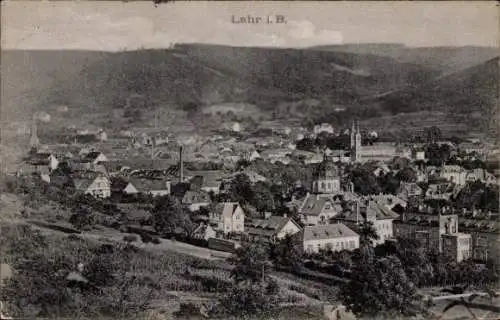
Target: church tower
<point>355,143</point>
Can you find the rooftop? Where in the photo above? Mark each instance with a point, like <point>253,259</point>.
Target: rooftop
<point>321,232</point>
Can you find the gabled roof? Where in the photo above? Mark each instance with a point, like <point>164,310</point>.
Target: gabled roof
<point>84,179</point>
<point>411,188</point>
<point>207,179</point>
<point>192,196</point>
<point>329,231</point>
<point>314,205</point>
<point>91,156</point>
<point>381,212</point>
<point>226,209</point>
<point>147,185</point>
<point>272,225</point>
<point>452,168</point>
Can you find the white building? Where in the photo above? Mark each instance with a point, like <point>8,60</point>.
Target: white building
<point>228,217</point>
<point>332,237</point>
<point>324,127</point>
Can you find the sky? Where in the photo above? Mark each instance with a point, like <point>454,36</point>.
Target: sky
<point>114,26</point>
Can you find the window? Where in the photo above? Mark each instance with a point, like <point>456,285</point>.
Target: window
<point>322,185</point>
<point>342,245</point>
<point>309,248</point>
<point>319,246</point>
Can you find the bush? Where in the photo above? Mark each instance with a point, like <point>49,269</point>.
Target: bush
<point>188,309</point>
<point>130,238</point>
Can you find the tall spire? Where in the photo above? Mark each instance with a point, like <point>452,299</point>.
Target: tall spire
<point>357,127</point>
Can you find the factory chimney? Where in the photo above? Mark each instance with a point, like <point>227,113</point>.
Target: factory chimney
<point>34,141</point>
<point>181,166</point>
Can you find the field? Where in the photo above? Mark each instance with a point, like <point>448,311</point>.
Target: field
<point>156,278</point>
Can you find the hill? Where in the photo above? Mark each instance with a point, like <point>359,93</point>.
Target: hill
<point>203,73</point>
<point>472,93</point>
<point>444,59</point>
<point>105,88</point>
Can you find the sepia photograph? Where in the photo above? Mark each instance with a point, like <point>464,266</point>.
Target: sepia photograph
<point>259,160</point>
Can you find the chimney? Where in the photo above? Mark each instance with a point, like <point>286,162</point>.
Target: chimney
<point>181,166</point>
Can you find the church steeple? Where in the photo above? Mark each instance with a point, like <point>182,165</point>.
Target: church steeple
<point>355,142</point>
<point>353,135</point>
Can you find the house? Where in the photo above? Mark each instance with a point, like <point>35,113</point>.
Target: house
<point>271,229</point>
<point>418,154</point>
<point>372,211</point>
<point>440,191</point>
<point>480,175</point>
<point>275,155</point>
<point>195,199</point>
<point>390,201</point>
<point>457,246</point>
<point>324,127</point>
<point>93,183</point>
<point>154,187</point>
<point>429,229</point>
<point>26,168</point>
<point>453,173</point>
<point>485,237</point>
<point>94,157</point>
<point>204,232</point>
<point>43,159</point>
<point>381,170</point>
<point>409,190</point>
<point>318,209</point>
<point>332,237</point>
<point>227,217</point>
<point>469,147</point>
<point>253,176</point>
<point>314,158</point>
<point>207,181</point>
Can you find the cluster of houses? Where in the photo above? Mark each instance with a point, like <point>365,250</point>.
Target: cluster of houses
<point>328,217</point>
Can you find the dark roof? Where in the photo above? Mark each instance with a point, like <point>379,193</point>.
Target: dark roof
<point>146,185</point>
<point>267,227</point>
<point>328,231</point>
<point>143,164</point>
<point>192,196</point>
<point>91,156</point>
<point>207,179</point>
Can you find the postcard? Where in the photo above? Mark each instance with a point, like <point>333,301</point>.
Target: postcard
<point>249,160</point>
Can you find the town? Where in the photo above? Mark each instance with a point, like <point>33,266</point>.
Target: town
<point>277,186</point>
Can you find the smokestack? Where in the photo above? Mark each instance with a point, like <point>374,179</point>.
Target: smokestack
<point>34,141</point>
<point>181,166</point>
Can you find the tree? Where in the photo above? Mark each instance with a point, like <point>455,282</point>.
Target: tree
<point>365,182</point>
<point>378,287</point>
<point>241,190</point>
<point>286,254</point>
<point>170,217</point>
<point>251,263</point>
<point>367,233</point>
<point>407,175</point>
<point>262,199</point>
<point>254,291</point>
<point>83,218</point>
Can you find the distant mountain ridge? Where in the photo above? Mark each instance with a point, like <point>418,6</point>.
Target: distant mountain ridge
<point>445,59</point>
<point>98,83</point>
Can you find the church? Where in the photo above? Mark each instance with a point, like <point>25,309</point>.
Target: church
<point>379,152</point>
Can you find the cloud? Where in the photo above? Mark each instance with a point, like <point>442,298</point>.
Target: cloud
<point>303,32</point>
